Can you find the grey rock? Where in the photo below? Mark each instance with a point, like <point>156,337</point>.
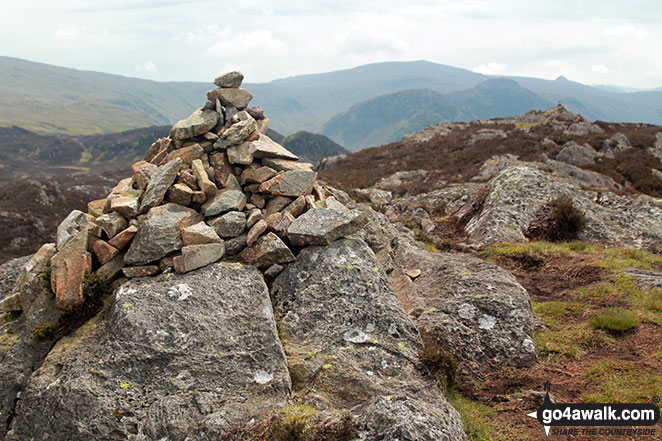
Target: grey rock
<point>198,234</point>
<point>286,164</point>
<point>10,272</point>
<point>112,224</point>
<point>238,97</point>
<point>615,145</point>
<point>267,251</point>
<point>160,233</point>
<point>321,226</point>
<point>575,154</point>
<point>229,80</point>
<point>224,200</point>
<point>197,256</point>
<point>290,183</point>
<point>240,154</point>
<point>177,357</point>
<point>231,224</point>
<point>375,195</point>
<point>30,286</point>
<point>73,224</point>
<point>235,245</point>
<point>265,147</point>
<point>236,133</point>
<point>336,303</point>
<point>159,183</point>
<point>199,122</point>
<point>646,279</point>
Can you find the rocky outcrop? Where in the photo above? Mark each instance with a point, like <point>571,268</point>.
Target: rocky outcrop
<point>189,356</point>
<point>350,346</point>
<point>575,154</point>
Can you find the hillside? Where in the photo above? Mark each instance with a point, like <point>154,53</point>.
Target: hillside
<point>53,99</point>
<point>311,147</point>
<point>388,118</point>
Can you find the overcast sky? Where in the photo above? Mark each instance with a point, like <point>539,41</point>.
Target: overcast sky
<point>593,42</point>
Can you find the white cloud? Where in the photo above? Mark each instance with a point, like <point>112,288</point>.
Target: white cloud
<point>367,42</point>
<point>492,68</point>
<point>600,69</point>
<point>254,43</point>
<point>67,33</point>
<point>551,64</point>
<point>149,66</point>
<point>624,30</point>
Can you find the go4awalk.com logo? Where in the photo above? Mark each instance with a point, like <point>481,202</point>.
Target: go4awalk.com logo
<point>618,419</point>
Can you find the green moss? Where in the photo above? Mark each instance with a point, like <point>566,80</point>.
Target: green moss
<point>615,320</point>
<point>94,286</point>
<point>9,317</point>
<point>622,382</point>
<point>44,331</point>
<point>46,276</point>
<point>619,258</point>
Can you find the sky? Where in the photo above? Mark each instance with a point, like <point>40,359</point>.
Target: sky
<point>593,42</point>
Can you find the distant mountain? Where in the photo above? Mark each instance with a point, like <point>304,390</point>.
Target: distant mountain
<point>387,118</point>
<point>53,99</point>
<point>311,147</point>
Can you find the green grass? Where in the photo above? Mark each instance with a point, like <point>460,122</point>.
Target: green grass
<point>619,258</point>
<point>622,382</point>
<point>570,340</point>
<point>479,419</point>
<point>537,249</point>
<point>615,320</point>
<point>554,311</point>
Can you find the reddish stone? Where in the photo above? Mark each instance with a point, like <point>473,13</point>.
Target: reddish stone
<point>123,238</point>
<point>104,251</point>
<point>131,272</point>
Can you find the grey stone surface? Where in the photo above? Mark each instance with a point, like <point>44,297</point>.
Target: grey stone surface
<point>321,226</point>
<point>236,133</point>
<point>10,272</point>
<point>231,224</point>
<point>176,357</point>
<point>235,97</point>
<point>73,224</point>
<point>223,201</point>
<point>159,183</point>
<point>197,123</point>
<point>229,80</point>
<point>336,303</point>
<point>266,251</point>
<point>160,233</point>
<point>575,154</point>
<point>197,256</point>
<point>265,147</point>
<point>291,183</point>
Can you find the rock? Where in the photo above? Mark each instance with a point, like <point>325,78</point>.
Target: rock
<point>125,206</point>
<point>179,194</point>
<point>615,145</point>
<point>257,200</point>
<point>321,226</point>
<point>268,250</point>
<point>297,207</point>
<point>198,123</point>
<point>159,234</point>
<point>333,204</point>
<point>193,363</point>
<point>255,232</point>
<point>254,216</point>
<point>487,134</point>
<point>230,80</point>
<point>221,166</point>
<point>159,183</point>
<point>158,150</point>
<point>646,279</point>
<point>104,251</point>
<point>202,178</point>
<point>73,224</point>
<point>111,223</point>
<point>95,208</point>
<point>197,256</point>
<point>271,272</point>
<point>224,200</point>
<point>199,234</point>
<point>236,134</point>
<point>11,303</point>
<point>472,309</point>
<point>258,175</point>
<point>131,272</point>
<point>291,183</point>
<point>587,177</point>
<point>286,164</point>
<point>142,171</point>
<point>68,269</point>
<point>198,197</point>
<point>122,239</point>
<point>375,196</point>
<point>29,285</point>
<point>263,125</point>
<point>231,183</point>
<point>187,154</point>
<point>579,155</point>
<point>235,245</point>
<point>231,224</point>
<point>361,336</point>
<point>238,97</point>
<point>123,189</point>
<point>413,273</point>
<point>265,147</point>
<point>186,178</point>
<point>239,154</point>
<point>111,270</point>
<point>277,204</point>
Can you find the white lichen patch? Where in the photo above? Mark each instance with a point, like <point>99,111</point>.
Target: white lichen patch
<point>486,322</point>
<point>263,377</point>
<point>181,291</point>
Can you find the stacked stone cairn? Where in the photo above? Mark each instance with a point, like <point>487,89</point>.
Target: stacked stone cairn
<point>216,187</point>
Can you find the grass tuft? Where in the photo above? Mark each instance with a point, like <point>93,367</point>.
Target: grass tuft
<point>615,320</point>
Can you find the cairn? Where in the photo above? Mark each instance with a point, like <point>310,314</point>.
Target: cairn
<point>216,187</point>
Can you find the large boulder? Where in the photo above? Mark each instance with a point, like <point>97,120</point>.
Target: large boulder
<point>160,233</point>
<point>350,345</point>
<point>177,357</point>
<point>575,154</point>
<point>321,226</point>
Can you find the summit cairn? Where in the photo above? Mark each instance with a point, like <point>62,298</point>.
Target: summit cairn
<point>216,187</point>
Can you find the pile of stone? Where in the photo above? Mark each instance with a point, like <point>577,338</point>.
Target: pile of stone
<point>217,186</point>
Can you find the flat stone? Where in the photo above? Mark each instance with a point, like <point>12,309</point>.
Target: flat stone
<point>112,223</point>
<point>95,208</point>
<point>188,154</point>
<point>254,216</point>
<point>68,269</point>
<point>221,166</point>
<point>231,224</point>
<point>74,223</point>
<point>199,234</point>
<point>286,164</point>
<point>297,207</point>
<point>256,112</point>
<point>322,226</point>
<point>202,178</point>
<point>231,183</point>
<point>229,80</point>
<point>258,175</point>
<point>236,133</point>
<point>238,97</point>
<point>124,188</point>
<point>333,204</point>
<point>257,200</point>
<point>132,272</point>
<point>158,150</point>
<point>263,125</point>
<point>122,239</point>
<point>159,183</point>
<point>413,273</point>
<point>180,194</point>
<point>291,183</point>
<point>256,231</point>
<point>265,147</point>
<point>198,197</point>
<point>224,200</point>
<point>235,245</point>
<point>104,251</point>
<point>277,204</point>
<point>111,270</point>
<point>267,251</point>
<point>282,224</point>
<point>197,256</point>
<point>240,154</point>
<point>198,123</point>
<point>125,206</point>
<point>142,171</point>
<point>159,234</point>
<point>186,177</point>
